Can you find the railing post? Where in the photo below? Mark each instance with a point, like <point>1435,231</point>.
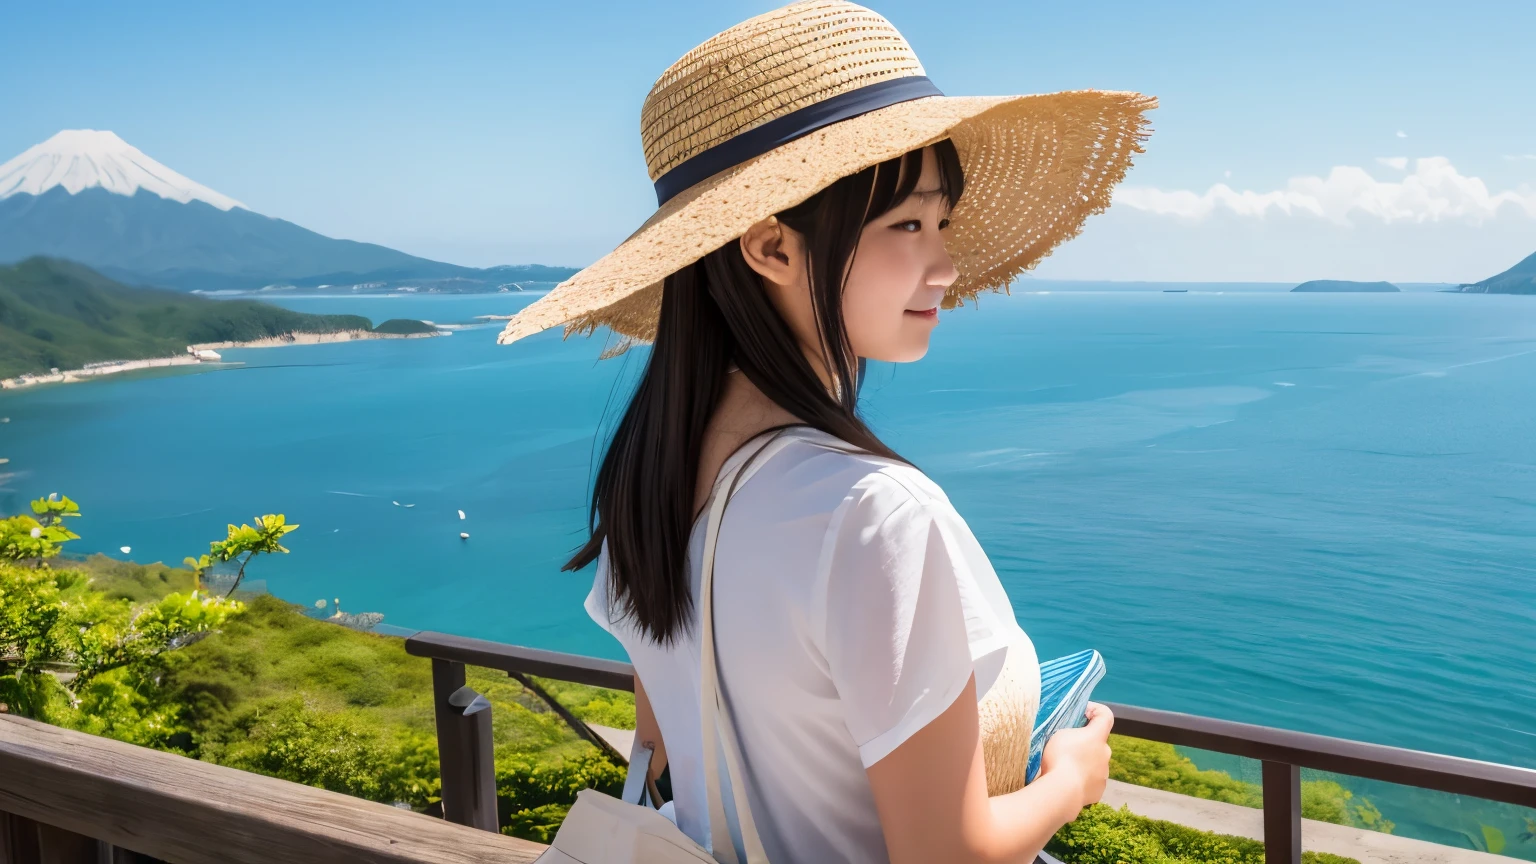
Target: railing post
<point>18,839</point>
<point>57,846</point>
<point>1282,813</point>
<point>464,748</point>
<point>23,841</point>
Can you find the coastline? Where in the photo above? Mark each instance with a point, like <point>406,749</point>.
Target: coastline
<point>310,339</point>
<point>109,367</point>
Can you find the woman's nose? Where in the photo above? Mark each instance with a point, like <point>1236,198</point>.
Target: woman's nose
<point>943,273</point>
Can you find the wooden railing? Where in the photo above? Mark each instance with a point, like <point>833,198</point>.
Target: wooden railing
<point>463,740</point>
<point>67,797</point>
<point>71,798</point>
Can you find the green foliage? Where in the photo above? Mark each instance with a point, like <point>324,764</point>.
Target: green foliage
<point>32,619</point>
<point>1156,765</point>
<point>524,784</point>
<point>89,318</point>
<point>122,704</point>
<point>332,750</point>
<point>138,583</point>
<point>113,634</point>
<point>538,824</point>
<point>262,538</point>
<point>1103,835</point>
<point>273,651</point>
<point>58,637</point>
<point>40,535</point>
<point>613,708</point>
<point>274,674</point>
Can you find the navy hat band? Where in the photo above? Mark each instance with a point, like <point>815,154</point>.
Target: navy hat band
<point>782,130</point>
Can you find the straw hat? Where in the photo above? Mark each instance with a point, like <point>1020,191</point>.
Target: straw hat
<point>777,108</point>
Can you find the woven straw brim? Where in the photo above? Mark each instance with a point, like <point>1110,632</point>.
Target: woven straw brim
<point>1035,168</point>
<point>1006,719</point>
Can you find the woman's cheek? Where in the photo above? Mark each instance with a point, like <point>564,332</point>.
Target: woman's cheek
<point>863,320</point>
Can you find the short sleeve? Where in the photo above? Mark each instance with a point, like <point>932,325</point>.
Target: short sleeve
<point>895,636</point>
<point>597,599</point>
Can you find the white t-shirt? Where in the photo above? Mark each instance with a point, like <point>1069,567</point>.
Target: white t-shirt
<point>852,603</point>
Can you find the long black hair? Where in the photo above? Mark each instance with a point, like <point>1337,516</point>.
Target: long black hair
<point>713,312</point>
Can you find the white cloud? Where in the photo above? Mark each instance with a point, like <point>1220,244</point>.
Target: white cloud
<point>1130,244</point>
<point>1398,162</point>
<point>1433,192</point>
<point>1518,157</point>
<point>1402,134</point>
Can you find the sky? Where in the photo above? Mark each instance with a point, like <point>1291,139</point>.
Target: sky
<point>1297,140</point>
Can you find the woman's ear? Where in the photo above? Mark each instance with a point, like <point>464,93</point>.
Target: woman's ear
<point>775,251</point>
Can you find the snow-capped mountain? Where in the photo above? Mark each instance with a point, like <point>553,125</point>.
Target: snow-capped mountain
<point>79,159</point>
<point>89,196</point>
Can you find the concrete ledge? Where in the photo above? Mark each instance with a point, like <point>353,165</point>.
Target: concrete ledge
<point>1369,847</point>
<point>621,740</point>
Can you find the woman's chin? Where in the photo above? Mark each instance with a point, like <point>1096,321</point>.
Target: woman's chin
<point>910,349</point>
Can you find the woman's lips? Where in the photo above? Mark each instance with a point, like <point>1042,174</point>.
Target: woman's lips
<point>925,314</point>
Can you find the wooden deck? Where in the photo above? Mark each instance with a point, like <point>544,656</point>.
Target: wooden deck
<point>71,797</point>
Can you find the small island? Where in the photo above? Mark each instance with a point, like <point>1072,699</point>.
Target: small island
<point>1340,286</point>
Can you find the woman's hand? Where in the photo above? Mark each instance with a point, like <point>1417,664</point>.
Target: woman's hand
<point>931,791</point>
<point>1082,754</point>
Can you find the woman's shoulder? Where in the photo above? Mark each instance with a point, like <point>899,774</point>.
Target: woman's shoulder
<point>819,462</point>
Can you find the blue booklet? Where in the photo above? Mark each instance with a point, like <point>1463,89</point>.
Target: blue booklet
<point>1065,685</point>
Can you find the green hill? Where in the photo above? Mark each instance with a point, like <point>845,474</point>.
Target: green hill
<point>55,313</point>
<point>1519,279</point>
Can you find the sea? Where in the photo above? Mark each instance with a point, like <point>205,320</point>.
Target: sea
<point>1310,511</point>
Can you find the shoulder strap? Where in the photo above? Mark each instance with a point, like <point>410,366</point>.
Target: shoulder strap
<point>716,723</point>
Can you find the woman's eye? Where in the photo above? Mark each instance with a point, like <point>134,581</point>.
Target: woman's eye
<point>943,223</point>
<point>910,225</point>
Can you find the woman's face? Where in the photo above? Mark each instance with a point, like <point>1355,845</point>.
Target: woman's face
<point>897,277</point>
<point>899,274</point>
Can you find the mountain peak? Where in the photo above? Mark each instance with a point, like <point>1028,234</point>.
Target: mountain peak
<point>78,159</point>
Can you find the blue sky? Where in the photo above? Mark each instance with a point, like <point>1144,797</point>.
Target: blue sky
<point>485,133</point>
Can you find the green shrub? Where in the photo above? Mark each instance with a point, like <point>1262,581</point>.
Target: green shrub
<point>538,824</point>
<point>1156,765</point>
<point>526,784</point>
<point>593,704</point>
<point>290,740</point>
<point>1103,835</point>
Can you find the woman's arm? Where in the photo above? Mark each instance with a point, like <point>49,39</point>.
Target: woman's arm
<point>647,731</point>
<point>931,791</point>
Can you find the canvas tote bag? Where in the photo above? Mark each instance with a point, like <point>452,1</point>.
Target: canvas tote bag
<point>601,829</point>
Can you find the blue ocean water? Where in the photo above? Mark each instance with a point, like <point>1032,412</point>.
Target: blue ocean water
<point>1314,511</point>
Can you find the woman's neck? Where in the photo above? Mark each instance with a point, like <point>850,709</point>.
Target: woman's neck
<point>743,412</point>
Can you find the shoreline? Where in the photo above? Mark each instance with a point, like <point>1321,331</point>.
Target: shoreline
<point>300,338</point>
<point>110,367</point>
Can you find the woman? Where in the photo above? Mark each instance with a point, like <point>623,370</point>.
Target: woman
<point>820,202</point>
